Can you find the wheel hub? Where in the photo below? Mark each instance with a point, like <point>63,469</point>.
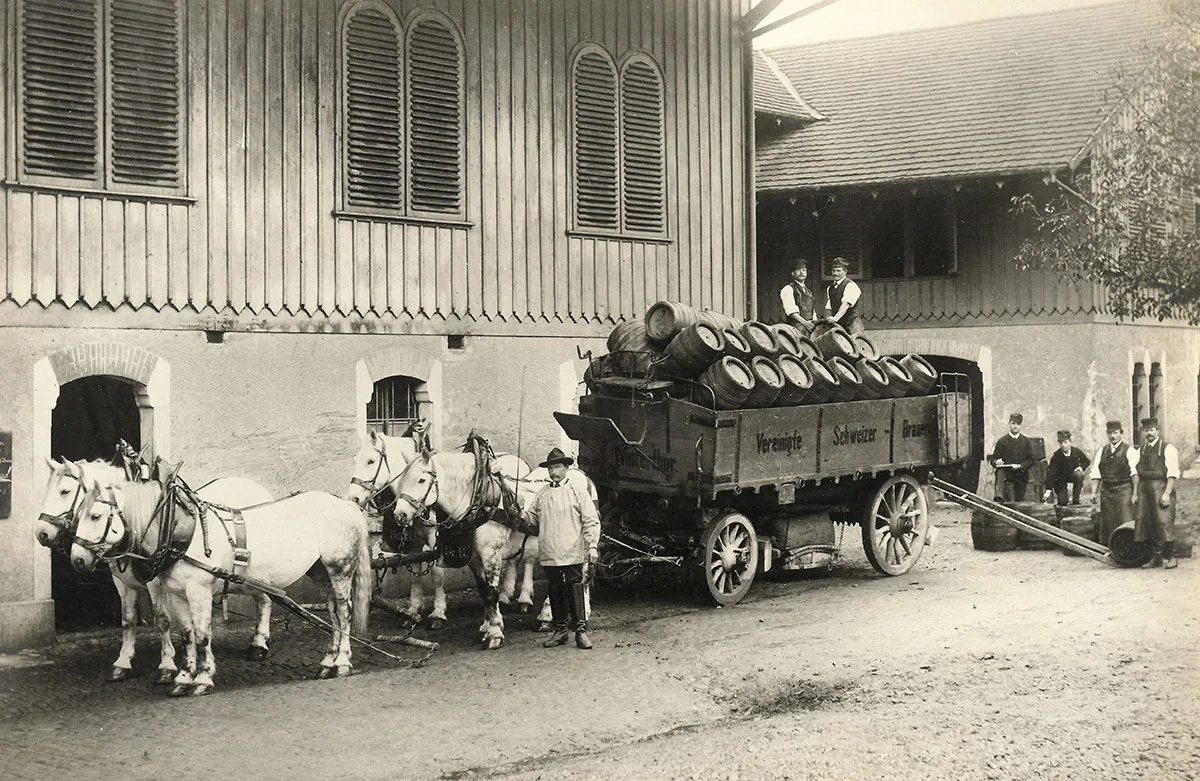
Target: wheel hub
<point>729,558</point>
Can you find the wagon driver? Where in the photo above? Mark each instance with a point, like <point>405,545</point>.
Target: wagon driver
<point>843,297</point>
<point>1114,480</point>
<point>797,299</point>
<point>568,526</point>
<point>1157,469</point>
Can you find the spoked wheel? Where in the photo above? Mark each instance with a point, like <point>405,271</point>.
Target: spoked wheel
<point>894,525</point>
<point>729,557</point>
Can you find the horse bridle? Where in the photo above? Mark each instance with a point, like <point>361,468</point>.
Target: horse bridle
<point>65,521</point>
<point>420,506</point>
<point>123,545</point>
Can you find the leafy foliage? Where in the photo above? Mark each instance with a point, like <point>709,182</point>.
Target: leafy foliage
<point>1128,220</point>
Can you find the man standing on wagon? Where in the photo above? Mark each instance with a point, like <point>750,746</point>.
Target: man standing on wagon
<point>843,297</point>
<point>568,527</point>
<point>1157,469</point>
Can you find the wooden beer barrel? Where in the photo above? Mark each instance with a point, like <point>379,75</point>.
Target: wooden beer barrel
<point>787,337</point>
<point>797,381</point>
<point>735,344</point>
<point>1078,521</point>
<point>899,378</point>
<point>834,342</point>
<point>730,380</point>
<point>1125,550</point>
<point>989,534</point>
<point>718,320</point>
<point>850,384</point>
<point>761,338</point>
<point>665,319</point>
<point>874,381</point>
<point>865,347</point>
<point>768,382</point>
<point>692,350</point>
<point>808,348</point>
<point>922,372</point>
<point>825,382</point>
<point>1042,512</point>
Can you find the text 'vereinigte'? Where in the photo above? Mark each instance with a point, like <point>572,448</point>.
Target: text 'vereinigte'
<point>779,442</point>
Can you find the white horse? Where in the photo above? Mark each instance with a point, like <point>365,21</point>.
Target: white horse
<point>157,521</point>
<point>378,464</point>
<point>55,528</point>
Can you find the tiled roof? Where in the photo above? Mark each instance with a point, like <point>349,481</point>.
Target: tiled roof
<point>774,96</point>
<point>994,97</point>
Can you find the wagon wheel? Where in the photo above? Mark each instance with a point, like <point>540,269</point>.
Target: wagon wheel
<point>895,522</point>
<point>729,557</point>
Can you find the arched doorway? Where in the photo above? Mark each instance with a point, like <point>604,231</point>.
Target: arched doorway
<point>92,413</point>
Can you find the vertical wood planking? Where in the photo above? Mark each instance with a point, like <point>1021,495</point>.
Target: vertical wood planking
<point>113,282</point>
<point>379,268</point>
<point>156,256</point>
<point>213,165</point>
<point>360,253</point>
<point>502,164</point>
<point>177,254</point>
<point>534,165</point>
<point>91,250</point>
<point>311,157</point>
<point>722,115</point>
<point>714,217</point>
<point>395,268</point>
<point>520,143</point>
<point>45,247</point>
<point>135,253</point>
<point>443,262</point>
<point>412,270</point>
<point>487,91</point>
<point>19,226</point>
<point>236,149</point>
<point>680,178</point>
<point>427,235</point>
<point>343,253</point>
<point>274,152</point>
<point>471,264</point>
<point>692,264</point>
<point>327,97</point>
<point>68,249</point>
<point>5,219</point>
<point>737,254</point>
<point>198,146</point>
<point>256,154</point>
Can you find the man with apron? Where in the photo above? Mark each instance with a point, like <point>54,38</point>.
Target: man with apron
<point>1114,473</point>
<point>1158,469</point>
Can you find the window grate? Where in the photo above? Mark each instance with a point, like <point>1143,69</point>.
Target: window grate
<point>393,405</point>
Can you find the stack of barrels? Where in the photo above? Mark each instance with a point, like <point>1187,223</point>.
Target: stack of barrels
<point>990,534</point>
<point>1080,521</point>
<point>749,364</point>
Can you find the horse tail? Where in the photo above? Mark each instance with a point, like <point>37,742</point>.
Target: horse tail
<point>364,587</point>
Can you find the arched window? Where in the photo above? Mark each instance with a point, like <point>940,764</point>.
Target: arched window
<point>394,404</point>
<point>402,114</point>
<point>618,147</point>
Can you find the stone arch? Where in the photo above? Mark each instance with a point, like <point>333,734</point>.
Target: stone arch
<point>151,376</point>
<point>408,362</point>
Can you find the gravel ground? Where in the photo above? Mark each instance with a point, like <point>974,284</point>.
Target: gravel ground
<point>1027,664</point>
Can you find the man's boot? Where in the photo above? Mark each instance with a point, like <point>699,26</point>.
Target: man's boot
<point>579,613</point>
<point>1169,561</point>
<point>1156,558</point>
<point>558,611</point>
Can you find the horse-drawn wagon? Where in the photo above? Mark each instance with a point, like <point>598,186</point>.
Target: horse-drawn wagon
<point>739,491</point>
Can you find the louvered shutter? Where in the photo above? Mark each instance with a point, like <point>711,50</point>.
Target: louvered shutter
<point>642,148</point>
<point>595,136</point>
<point>372,126</point>
<point>144,68</point>
<point>435,111</point>
<point>60,101</point>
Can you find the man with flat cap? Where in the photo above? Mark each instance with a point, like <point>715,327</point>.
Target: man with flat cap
<point>1013,458</point>
<point>1067,467</point>
<point>797,299</point>
<point>568,528</point>
<point>843,297</point>
<point>1157,470</point>
<point>1114,480</point>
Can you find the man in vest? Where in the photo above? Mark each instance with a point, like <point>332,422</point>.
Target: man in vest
<point>1114,478</point>
<point>1157,469</point>
<point>1013,458</point>
<point>797,299</point>
<point>843,299</point>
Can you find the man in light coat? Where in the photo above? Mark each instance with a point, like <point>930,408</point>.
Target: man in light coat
<point>568,527</point>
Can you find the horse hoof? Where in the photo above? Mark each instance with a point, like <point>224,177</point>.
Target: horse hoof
<point>325,673</point>
<point>179,690</point>
<point>201,689</point>
<point>545,626</point>
<point>165,678</point>
<point>119,674</point>
<point>344,671</point>
<point>437,624</point>
<point>256,654</point>
<point>492,643</point>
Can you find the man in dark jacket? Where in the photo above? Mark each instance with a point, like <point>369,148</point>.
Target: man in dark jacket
<point>1067,466</point>
<point>1013,458</point>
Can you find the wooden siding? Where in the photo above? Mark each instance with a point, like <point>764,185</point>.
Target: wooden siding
<point>987,286</point>
<point>260,235</point>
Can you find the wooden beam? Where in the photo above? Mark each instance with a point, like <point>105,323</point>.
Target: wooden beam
<point>759,12</point>
<point>789,18</point>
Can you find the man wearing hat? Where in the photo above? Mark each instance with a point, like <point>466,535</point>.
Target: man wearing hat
<point>1157,470</point>
<point>1013,457</point>
<point>568,528</point>
<point>1114,478</point>
<point>843,297</point>
<point>1067,466</point>
<point>797,299</point>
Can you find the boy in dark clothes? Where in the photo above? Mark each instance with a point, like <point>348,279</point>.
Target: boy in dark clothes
<point>1067,466</point>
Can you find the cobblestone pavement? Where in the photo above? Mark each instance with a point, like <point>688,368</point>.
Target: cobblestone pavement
<point>973,666</point>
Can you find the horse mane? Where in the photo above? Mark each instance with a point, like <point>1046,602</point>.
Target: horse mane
<point>456,481</point>
<point>96,472</point>
<point>139,503</point>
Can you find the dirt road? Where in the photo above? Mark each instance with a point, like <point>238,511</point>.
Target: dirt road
<point>973,666</point>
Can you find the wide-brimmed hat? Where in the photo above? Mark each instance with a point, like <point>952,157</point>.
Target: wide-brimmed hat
<point>556,456</point>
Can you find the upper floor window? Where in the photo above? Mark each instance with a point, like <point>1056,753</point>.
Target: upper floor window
<point>618,149</point>
<point>100,94</point>
<point>402,114</point>
<point>890,236</point>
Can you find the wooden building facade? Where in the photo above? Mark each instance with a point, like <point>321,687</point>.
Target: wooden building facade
<point>242,219</point>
